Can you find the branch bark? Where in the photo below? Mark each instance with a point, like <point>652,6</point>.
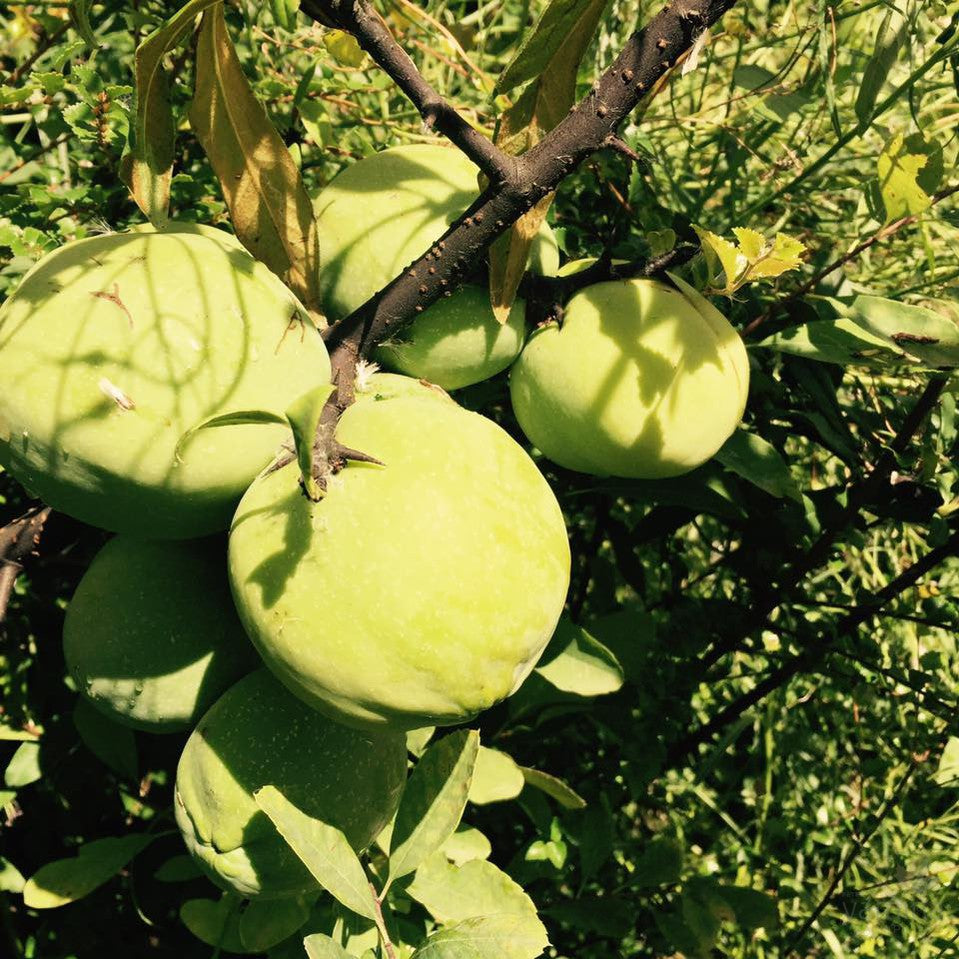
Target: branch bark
<point>17,540</point>
<point>644,60</point>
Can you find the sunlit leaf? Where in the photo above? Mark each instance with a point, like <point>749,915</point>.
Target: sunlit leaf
<point>487,937</point>
<point>577,662</point>
<point>759,462</point>
<point>899,171</point>
<point>496,777</point>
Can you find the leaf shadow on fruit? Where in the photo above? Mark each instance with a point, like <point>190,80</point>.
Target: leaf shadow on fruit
<point>145,364</point>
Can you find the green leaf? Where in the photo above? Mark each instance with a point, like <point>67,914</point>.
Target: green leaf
<point>842,341</point>
<point>319,946</point>
<point>892,34</point>
<point>324,849</point>
<point>79,11</point>
<point>418,739</point>
<point>24,766</point>
<point>928,337</point>
<point>235,418</point>
<point>629,634</point>
<point>576,662</point>
<point>110,742</point>
<point>549,55</point>
<point>11,879</point>
<point>67,880</point>
<point>487,937</point>
<point>344,48</point>
<point>899,172</point>
<point>180,868</point>
<point>303,416</point>
<point>947,772</point>
<point>284,13</point>
<point>433,801</point>
<point>217,923</point>
<point>753,909</point>
<point>465,845</point>
<point>147,167</point>
<point>543,42</point>
<point>264,922</point>
<point>721,257</point>
<point>553,786</point>
<point>270,208</point>
<point>759,462</point>
<point>660,863</point>
<point>478,888</point>
<point>496,777</point>
<point>9,734</point>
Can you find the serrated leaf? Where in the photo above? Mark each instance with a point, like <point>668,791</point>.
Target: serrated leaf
<point>899,171</point>
<point>477,888</point>
<point>549,55</point>
<point>947,772</point>
<point>760,463</point>
<point>433,801</point>
<point>24,766</point>
<point>235,418</point>
<point>180,868</point>
<point>264,922</point>
<point>721,256</point>
<point>786,254</point>
<point>147,167</point>
<point>324,850</point>
<point>303,416</point>
<point>67,880</point>
<point>110,742</point>
<point>11,879</point>
<point>751,243</point>
<point>496,777</point>
<point>553,786</point>
<point>270,208</point>
<point>319,946</point>
<point>216,923</point>
<point>577,662</point>
<point>487,937</point>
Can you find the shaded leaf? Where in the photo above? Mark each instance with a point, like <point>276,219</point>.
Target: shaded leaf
<point>80,18</point>
<point>661,863</point>
<point>217,923</point>
<point>553,786</point>
<point>759,462</point>
<point>264,922</point>
<point>180,868</point>
<point>930,337</point>
<point>110,742</point>
<point>892,34</point>
<point>271,211</point>
<point>496,777</point>
<point>433,801</point>
<point>67,880</point>
<point>304,418</point>
<point>324,849</point>
<point>841,341</point>
<point>24,766</point>
<point>487,937</point>
<point>947,772</point>
<point>577,662</point>
<point>147,167</point>
<point>752,909</point>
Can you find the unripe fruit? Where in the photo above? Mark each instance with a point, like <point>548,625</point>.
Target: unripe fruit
<point>642,380</point>
<point>416,593</point>
<point>448,346</point>
<point>382,213</point>
<point>114,346</point>
<point>257,734</point>
<point>151,636</point>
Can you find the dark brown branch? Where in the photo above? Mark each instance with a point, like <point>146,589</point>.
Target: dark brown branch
<point>819,645</point>
<point>372,34</point>
<point>644,60</point>
<point>17,540</point>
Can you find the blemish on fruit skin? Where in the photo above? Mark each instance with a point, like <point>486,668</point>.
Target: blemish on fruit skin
<point>114,297</point>
<point>113,392</point>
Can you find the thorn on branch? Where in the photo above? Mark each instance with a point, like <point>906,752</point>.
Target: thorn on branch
<point>614,142</point>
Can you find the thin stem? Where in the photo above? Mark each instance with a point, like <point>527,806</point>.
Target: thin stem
<point>17,540</point>
<point>381,925</point>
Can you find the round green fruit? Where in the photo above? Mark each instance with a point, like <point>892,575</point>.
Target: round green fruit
<point>257,734</point>
<point>151,636</point>
<point>642,380</point>
<point>457,341</point>
<point>113,347</point>
<point>416,593</point>
<point>382,213</point>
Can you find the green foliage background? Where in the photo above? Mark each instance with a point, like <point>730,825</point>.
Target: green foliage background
<point>780,127</point>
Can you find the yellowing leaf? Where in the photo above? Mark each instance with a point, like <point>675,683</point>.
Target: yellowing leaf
<point>271,211</point>
<point>898,173</point>
<point>720,255</point>
<point>343,48</point>
<point>786,254</point>
<point>750,242</point>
